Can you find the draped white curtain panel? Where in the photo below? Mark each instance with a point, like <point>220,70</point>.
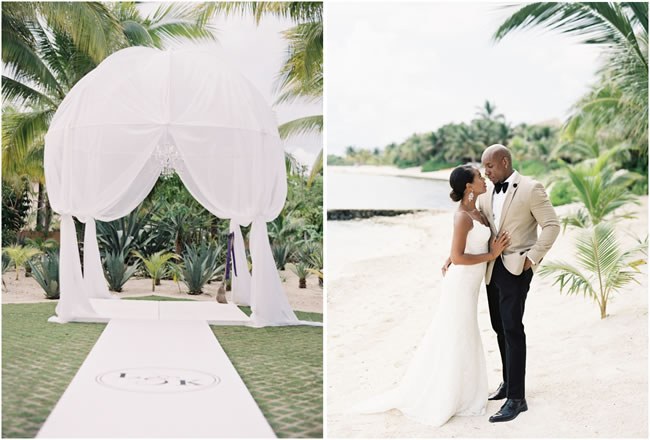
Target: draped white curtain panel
<point>101,161</point>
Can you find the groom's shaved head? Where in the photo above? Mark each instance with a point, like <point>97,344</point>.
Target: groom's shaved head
<point>497,161</point>
<point>497,152</point>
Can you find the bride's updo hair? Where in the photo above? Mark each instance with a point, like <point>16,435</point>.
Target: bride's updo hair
<point>458,179</point>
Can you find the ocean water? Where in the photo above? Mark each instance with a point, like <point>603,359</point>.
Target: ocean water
<point>347,190</point>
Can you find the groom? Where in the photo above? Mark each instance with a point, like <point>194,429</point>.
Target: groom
<point>518,205</point>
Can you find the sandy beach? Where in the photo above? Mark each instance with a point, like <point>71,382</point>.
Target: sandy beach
<point>586,377</point>
<point>26,290</point>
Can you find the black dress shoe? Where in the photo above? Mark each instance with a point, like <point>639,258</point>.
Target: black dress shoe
<point>510,410</point>
<point>500,393</point>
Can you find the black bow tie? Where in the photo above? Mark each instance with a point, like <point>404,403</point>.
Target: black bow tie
<point>498,187</point>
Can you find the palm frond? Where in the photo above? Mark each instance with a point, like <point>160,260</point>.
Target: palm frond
<point>21,94</point>
<point>302,73</point>
<point>292,165</point>
<point>568,277</point>
<point>639,13</point>
<point>308,124</point>
<point>296,11</point>
<point>179,31</point>
<point>593,23</point>
<point>316,168</point>
<point>24,65</point>
<point>91,26</point>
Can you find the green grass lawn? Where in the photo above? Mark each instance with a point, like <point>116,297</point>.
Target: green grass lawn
<point>281,366</point>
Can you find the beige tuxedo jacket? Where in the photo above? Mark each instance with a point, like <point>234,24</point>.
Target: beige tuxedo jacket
<point>525,208</point>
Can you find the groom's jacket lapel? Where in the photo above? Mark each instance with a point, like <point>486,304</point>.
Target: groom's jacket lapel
<point>508,201</point>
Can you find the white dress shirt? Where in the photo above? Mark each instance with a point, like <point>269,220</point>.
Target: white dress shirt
<point>499,199</point>
<point>497,203</point>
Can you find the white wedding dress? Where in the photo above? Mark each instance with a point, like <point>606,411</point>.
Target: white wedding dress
<point>447,375</point>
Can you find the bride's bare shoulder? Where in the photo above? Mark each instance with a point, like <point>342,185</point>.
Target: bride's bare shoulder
<point>463,221</point>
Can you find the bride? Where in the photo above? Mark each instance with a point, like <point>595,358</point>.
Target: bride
<point>447,375</point>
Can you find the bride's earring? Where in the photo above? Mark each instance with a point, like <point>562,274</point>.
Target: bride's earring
<point>471,196</point>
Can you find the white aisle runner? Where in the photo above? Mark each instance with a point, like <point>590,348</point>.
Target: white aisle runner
<point>150,378</point>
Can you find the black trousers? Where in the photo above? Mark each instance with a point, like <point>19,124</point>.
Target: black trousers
<point>506,299</point>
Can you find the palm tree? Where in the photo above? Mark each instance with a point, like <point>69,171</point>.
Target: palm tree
<point>19,255</point>
<point>601,188</point>
<point>90,25</point>
<point>488,112</point>
<point>603,267</point>
<point>622,29</point>
<point>156,265</point>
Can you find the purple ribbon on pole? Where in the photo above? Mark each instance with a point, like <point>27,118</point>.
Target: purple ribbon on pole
<point>230,253</point>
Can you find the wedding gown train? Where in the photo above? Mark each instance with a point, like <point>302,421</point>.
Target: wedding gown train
<point>447,375</point>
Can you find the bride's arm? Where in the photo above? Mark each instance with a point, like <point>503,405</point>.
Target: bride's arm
<point>462,225</point>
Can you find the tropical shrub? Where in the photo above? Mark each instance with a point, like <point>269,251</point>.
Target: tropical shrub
<point>313,255</point>
<point>44,245</point>
<point>561,193</point>
<point>45,270</point>
<point>436,164</point>
<point>302,271</point>
<point>15,209</point>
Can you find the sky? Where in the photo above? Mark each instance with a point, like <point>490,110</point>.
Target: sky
<point>392,70</point>
<point>258,52</point>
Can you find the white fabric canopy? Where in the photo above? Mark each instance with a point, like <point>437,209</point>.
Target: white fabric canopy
<point>102,159</point>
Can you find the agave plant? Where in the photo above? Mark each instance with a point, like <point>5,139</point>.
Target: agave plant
<point>43,245</point>
<point>117,271</point>
<point>302,271</point>
<point>603,267</point>
<point>281,254</point>
<point>45,270</point>
<point>123,235</point>
<point>20,255</point>
<point>200,266</point>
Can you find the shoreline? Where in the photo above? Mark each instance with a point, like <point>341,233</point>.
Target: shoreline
<point>387,170</point>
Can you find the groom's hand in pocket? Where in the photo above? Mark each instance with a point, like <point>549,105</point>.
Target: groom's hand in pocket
<point>527,264</point>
